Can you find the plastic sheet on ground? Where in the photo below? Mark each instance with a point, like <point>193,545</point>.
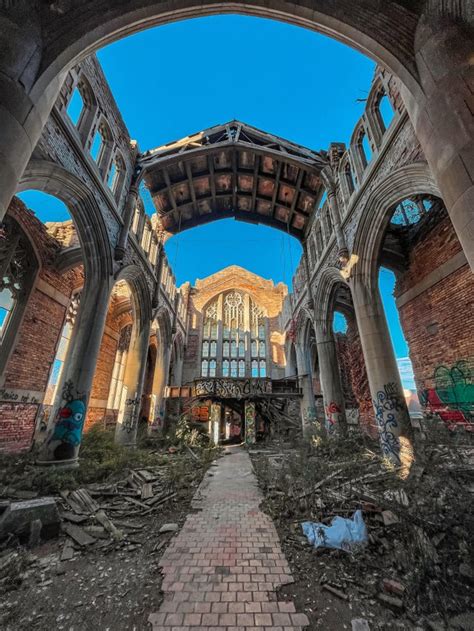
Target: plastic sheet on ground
<point>344,534</point>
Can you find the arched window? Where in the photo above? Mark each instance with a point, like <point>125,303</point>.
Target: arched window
<point>258,345</point>
<point>117,390</point>
<point>243,336</point>
<point>101,146</point>
<point>116,176</point>
<point>61,351</point>
<point>75,106</point>
<point>18,267</point>
<point>384,110</point>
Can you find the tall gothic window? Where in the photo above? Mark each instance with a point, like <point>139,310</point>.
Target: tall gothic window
<point>18,267</point>
<point>209,342</point>
<point>234,336</point>
<point>61,351</point>
<point>117,391</point>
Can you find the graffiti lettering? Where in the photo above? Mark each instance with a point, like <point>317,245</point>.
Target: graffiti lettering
<point>386,405</point>
<point>12,395</point>
<point>232,388</point>
<point>452,397</point>
<point>332,416</point>
<point>250,435</point>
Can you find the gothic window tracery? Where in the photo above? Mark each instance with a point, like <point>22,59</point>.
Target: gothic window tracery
<point>233,337</point>
<point>18,266</point>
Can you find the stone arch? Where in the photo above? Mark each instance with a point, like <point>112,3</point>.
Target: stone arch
<point>140,291</point>
<point>324,296</point>
<point>55,180</point>
<point>406,181</point>
<point>366,28</point>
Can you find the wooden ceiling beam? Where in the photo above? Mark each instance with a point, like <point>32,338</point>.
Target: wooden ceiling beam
<point>191,186</point>
<point>276,187</point>
<point>299,181</point>
<point>256,169</point>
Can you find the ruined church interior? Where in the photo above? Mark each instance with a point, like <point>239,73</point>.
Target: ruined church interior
<point>198,433</point>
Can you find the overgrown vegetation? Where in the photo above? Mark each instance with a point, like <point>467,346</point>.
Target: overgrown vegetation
<point>428,548</point>
<point>101,460</point>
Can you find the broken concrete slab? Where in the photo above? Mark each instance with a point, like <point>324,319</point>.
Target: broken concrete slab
<point>168,528</point>
<point>19,516</point>
<point>360,624</point>
<point>79,535</point>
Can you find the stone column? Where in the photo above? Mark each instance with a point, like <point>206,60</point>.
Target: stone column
<point>443,115</point>
<point>391,413</point>
<point>329,375</point>
<point>23,112</point>
<point>308,407</point>
<point>62,444</point>
<point>127,220</point>
<point>214,423</point>
<point>127,423</point>
<point>250,429</point>
<point>330,185</point>
<point>159,382</point>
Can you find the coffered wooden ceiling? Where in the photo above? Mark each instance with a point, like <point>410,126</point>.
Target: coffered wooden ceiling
<point>234,170</point>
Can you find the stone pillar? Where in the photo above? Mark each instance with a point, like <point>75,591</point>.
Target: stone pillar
<point>391,413</point>
<point>127,220</point>
<point>159,382</point>
<point>307,404</point>
<point>336,222</point>
<point>214,423</point>
<point>443,115</point>
<point>62,444</point>
<point>250,429</point>
<point>127,423</point>
<point>329,375</point>
<point>328,178</point>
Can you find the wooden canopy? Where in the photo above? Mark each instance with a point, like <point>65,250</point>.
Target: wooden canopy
<point>234,170</point>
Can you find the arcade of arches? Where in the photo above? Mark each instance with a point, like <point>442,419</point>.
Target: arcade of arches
<point>94,329</point>
<point>93,326</point>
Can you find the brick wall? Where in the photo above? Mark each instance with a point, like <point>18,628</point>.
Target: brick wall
<point>439,326</point>
<point>27,370</point>
<point>354,377</point>
<point>98,412</point>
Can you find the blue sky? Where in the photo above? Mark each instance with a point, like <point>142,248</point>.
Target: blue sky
<point>180,78</point>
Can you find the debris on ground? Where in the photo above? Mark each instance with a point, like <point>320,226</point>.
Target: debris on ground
<point>343,533</point>
<point>101,571</point>
<point>418,560</point>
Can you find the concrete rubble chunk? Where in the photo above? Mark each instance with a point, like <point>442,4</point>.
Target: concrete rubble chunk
<point>19,517</point>
<point>168,528</point>
<point>360,624</point>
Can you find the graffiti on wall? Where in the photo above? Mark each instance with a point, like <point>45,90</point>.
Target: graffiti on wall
<point>250,433</point>
<point>69,423</point>
<point>387,405</point>
<point>332,415</point>
<point>232,388</point>
<point>452,395</point>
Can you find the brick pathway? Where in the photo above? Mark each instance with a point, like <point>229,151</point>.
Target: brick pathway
<point>223,568</point>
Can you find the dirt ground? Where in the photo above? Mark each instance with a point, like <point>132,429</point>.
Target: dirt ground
<point>107,584</point>
<point>413,574</point>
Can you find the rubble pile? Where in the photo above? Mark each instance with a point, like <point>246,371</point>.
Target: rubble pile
<point>417,564</point>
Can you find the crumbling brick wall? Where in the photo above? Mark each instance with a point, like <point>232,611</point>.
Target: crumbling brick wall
<point>27,371</point>
<point>354,377</point>
<point>438,323</point>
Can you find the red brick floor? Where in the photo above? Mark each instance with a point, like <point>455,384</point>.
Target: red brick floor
<point>223,568</point>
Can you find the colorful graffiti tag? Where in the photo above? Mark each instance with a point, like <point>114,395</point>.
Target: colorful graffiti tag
<point>452,395</point>
<point>69,422</point>
<point>332,416</point>
<point>386,406</point>
<point>250,433</point>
